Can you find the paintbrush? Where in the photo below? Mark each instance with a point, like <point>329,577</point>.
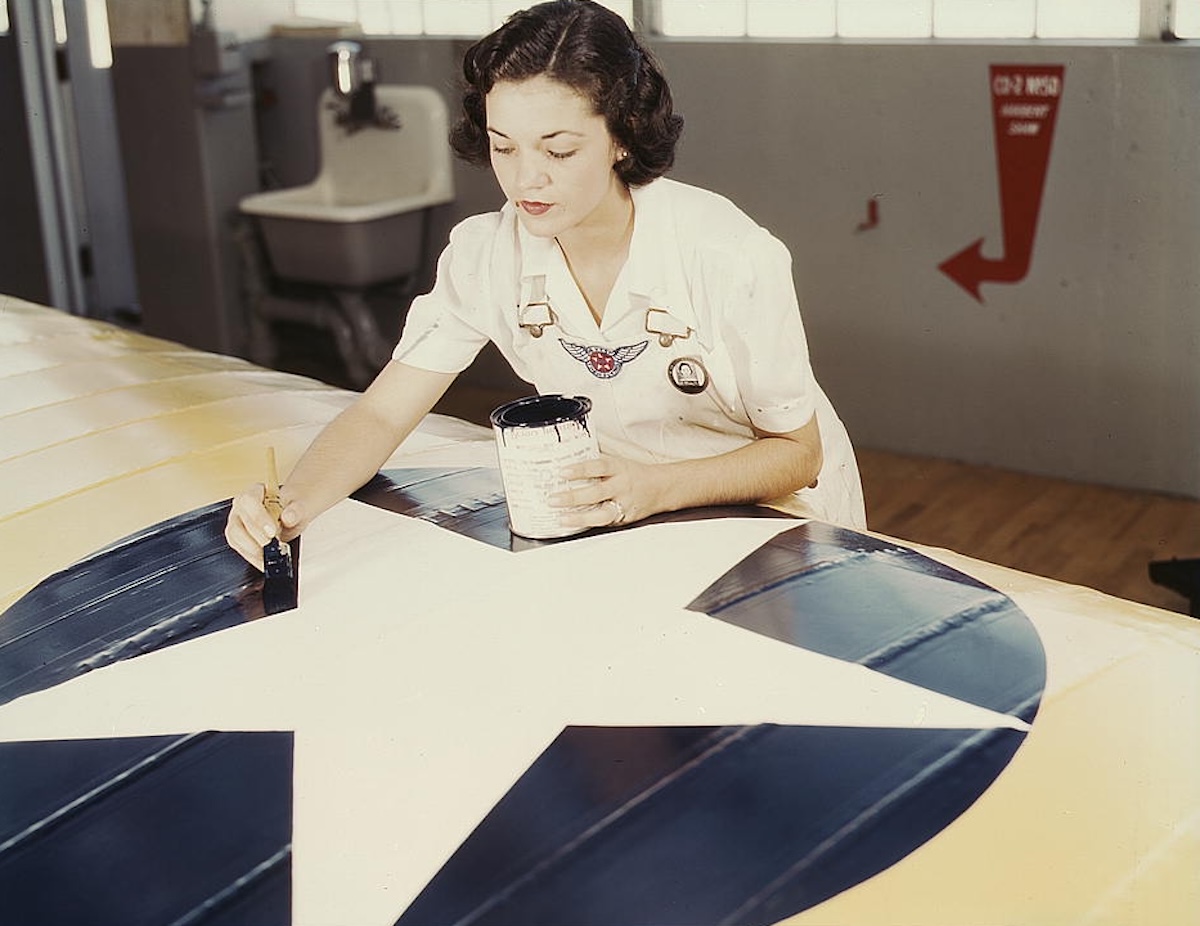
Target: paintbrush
<point>280,582</point>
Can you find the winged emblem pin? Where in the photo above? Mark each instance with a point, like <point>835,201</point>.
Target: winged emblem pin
<point>600,361</point>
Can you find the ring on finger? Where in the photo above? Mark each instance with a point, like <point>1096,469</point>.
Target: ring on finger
<point>618,511</point>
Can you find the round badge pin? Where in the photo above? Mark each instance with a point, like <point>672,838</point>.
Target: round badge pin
<point>688,375</point>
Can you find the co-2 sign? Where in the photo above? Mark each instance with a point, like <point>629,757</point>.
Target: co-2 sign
<point>1024,107</point>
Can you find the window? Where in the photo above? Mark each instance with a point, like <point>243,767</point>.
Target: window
<point>99,41</point>
<point>96,19</point>
<point>1098,19</point>
<point>704,17</point>
<point>59,15</point>
<point>910,19</point>
<point>1185,19</point>
<point>426,17</point>
<point>811,19</point>
<point>996,19</point>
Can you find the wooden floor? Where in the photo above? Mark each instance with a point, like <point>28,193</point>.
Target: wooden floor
<point>1089,535</point>
<point>1084,534</point>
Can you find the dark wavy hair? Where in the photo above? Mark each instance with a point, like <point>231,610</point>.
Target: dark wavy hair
<point>591,50</point>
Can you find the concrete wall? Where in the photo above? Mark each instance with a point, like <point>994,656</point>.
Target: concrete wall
<point>186,165</point>
<point>1089,368</point>
<point>22,258</point>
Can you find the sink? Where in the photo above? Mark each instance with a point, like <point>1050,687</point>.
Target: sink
<point>362,220</point>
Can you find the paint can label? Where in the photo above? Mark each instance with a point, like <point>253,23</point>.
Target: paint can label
<point>535,438</point>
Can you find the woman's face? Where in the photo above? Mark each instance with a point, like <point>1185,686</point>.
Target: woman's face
<point>553,156</point>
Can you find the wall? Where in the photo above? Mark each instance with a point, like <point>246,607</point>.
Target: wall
<point>187,138</point>
<point>22,259</point>
<point>1089,368</point>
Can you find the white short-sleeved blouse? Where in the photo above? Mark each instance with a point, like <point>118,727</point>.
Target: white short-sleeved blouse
<point>701,341</point>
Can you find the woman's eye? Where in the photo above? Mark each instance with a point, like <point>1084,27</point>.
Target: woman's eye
<point>561,155</point>
<point>496,149</point>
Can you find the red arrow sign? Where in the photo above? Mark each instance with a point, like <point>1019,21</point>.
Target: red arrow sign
<point>1024,107</point>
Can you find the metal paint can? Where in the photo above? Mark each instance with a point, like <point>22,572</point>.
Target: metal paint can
<point>535,438</point>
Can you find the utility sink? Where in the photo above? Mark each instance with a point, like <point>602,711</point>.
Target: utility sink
<point>362,220</point>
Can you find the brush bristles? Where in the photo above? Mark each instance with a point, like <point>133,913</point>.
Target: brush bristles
<point>279,578</point>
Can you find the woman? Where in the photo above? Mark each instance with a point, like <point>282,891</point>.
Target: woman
<point>667,306</point>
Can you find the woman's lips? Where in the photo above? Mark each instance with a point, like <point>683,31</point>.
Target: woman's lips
<point>535,208</point>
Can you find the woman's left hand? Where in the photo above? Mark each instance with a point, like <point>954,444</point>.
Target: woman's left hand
<point>613,490</point>
<point>608,491</point>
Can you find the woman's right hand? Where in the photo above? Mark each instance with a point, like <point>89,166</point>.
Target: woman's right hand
<point>348,451</point>
<point>250,526</point>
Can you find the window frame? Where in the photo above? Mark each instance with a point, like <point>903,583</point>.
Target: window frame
<point>1156,22</point>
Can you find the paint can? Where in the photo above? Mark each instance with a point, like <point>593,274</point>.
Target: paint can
<point>535,438</point>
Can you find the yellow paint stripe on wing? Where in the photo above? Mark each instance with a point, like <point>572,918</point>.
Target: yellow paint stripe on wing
<point>1084,826</point>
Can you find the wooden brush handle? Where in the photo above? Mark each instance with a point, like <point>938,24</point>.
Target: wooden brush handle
<point>271,500</point>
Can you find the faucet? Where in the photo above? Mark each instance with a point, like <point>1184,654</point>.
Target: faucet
<point>352,75</point>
